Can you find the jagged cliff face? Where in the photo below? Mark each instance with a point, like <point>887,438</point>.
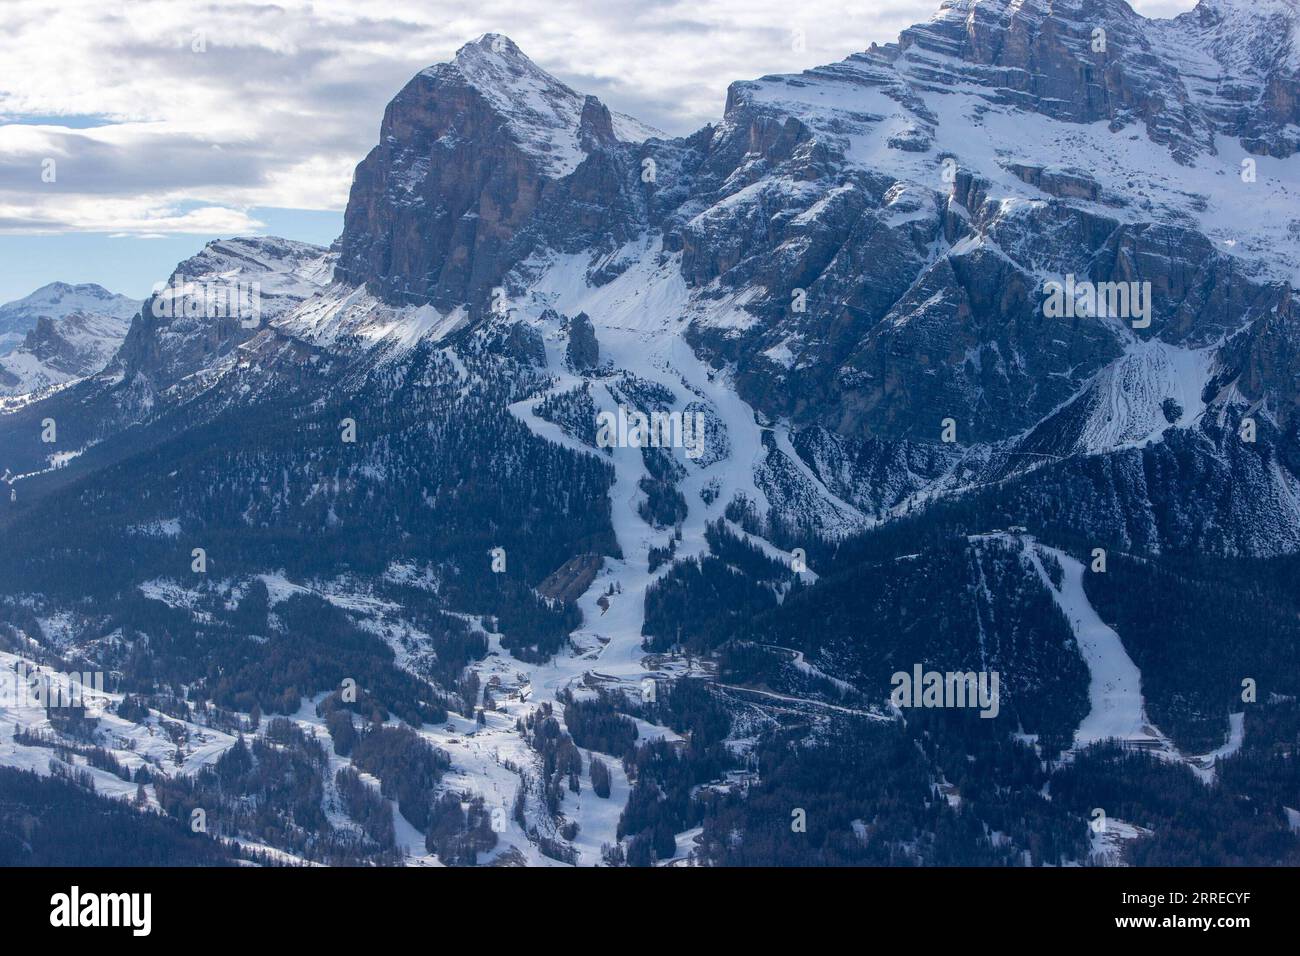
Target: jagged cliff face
<point>61,350</point>
<point>214,302</point>
<point>59,333</point>
<point>1227,67</point>
<point>471,153</point>
<point>921,193</point>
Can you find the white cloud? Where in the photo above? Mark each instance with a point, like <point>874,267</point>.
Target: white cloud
<point>137,215</point>
<point>230,105</point>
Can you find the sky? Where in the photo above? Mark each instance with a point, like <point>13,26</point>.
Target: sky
<point>131,133</point>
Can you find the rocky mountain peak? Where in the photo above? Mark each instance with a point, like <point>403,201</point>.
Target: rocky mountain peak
<point>216,300</point>
<point>1226,67</point>
<point>541,113</point>
<point>468,152</point>
<point>548,120</point>
<point>56,300</point>
<point>58,350</point>
<point>492,45</point>
<point>1248,36</point>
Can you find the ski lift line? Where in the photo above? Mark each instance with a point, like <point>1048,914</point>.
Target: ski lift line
<point>1040,454</point>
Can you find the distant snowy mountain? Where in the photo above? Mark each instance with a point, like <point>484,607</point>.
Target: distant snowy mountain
<point>55,352</point>
<point>63,332</point>
<point>55,301</point>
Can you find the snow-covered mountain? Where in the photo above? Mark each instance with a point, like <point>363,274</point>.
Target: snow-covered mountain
<point>55,352</point>
<point>206,308</point>
<point>402,472</point>
<point>867,244</point>
<point>60,333</point>
<point>541,114</point>
<point>467,152</point>
<point>56,301</point>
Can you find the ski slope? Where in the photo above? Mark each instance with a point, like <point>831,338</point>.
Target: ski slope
<point>1117,709</point>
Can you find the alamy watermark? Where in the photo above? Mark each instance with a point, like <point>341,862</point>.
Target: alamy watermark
<point>1083,298</point>
<point>923,688</point>
<point>75,908</point>
<point>24,687</point>
<point>633,429</point>
<point>209,299</point>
